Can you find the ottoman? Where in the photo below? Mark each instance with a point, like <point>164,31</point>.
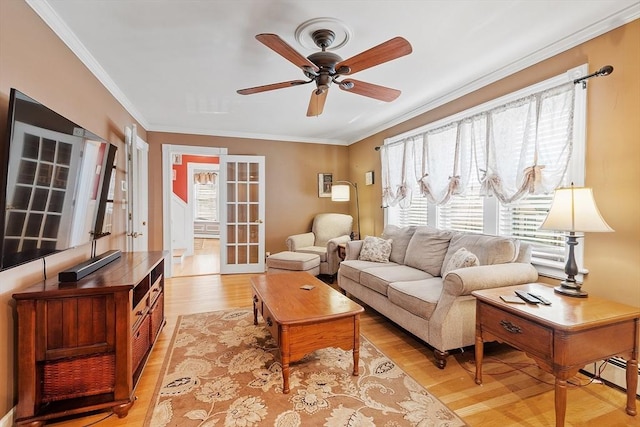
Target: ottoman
<point>287,261</point>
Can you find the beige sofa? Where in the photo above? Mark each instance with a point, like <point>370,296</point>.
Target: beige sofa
<point>409,289</point>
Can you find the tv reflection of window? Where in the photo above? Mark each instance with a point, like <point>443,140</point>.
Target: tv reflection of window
<point>53,188</point>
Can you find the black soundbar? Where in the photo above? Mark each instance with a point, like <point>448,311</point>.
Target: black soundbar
<point>79,271</point>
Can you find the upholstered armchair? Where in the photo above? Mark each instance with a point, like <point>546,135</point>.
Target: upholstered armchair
<point>327,232</point>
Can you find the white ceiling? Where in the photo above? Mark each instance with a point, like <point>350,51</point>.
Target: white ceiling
<point>176,64</point>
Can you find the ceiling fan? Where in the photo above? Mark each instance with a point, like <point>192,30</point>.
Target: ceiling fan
<point>325,68</point>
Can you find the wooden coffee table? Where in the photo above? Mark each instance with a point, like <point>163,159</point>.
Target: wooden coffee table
<point>302,321</point>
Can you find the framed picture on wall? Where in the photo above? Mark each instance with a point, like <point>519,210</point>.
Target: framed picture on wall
<point>324,184</point>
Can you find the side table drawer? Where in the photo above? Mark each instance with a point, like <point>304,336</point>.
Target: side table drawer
<point>272,326</point>
<point>528,336</point>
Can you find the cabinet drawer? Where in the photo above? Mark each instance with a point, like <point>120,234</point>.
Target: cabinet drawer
<point>141,342</point>
<point>524,334</point>
<point>157,316</point>
<point>139,312</point>
<point>155,291</point>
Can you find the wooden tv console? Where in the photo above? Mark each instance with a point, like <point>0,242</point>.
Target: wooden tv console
<point>82,345</point>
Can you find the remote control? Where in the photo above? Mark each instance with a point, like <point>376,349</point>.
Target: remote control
<point>541,298</point>
<point>525,296</point>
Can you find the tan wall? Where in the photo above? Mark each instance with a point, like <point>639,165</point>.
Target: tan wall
<point>613,154</point>
<point>291,176</point>
<point>35,61</point>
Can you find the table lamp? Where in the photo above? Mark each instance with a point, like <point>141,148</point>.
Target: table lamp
<point>573,209</point>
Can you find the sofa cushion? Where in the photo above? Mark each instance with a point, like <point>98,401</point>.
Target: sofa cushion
<point>490,250</point>
<point>461,259</point>
<point>427,249</point>
<point>352,268</point>
<point>378,278</point>
<point>400,237</point>
<point>375,249</point>
<point>418,297</point>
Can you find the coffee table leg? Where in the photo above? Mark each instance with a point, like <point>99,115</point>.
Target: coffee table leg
<point>284,353</point>
<point>255,310</point>
<point>356,345</point>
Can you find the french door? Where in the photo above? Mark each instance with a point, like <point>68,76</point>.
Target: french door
<point>242,210</point>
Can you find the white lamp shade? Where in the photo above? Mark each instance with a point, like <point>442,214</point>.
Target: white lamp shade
<point>574,209</point>
<point>340,193</point>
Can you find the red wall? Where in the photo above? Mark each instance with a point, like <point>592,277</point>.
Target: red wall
<point>180,183</point>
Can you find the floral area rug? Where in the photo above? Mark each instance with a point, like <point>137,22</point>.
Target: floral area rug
<point>222,370</point>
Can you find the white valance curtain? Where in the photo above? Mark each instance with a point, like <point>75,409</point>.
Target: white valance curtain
<point>205,177</point>
<point>507,147</point>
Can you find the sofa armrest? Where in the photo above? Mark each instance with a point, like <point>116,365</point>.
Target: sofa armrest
<point>465,280</point>
<point>332,252</point>
<point>298,241</point>
<point>353,249</point>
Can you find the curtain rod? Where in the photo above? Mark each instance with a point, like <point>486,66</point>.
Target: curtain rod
<point>604,71</point>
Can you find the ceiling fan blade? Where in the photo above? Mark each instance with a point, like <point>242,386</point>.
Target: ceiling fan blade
<point>369,89</point>
<point>279,46</point>
<point>384,52</point>
<point>273,86</point>
<point>316,103</point>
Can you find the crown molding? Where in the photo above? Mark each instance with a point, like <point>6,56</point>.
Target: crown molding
<point>228,134</point>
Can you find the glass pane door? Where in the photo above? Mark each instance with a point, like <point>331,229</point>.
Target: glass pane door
<point>242,220</point>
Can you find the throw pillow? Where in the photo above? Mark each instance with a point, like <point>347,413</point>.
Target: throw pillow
<point>400,237</point>
<point>427,248</point>
<point>375,249</point>
<point>461,259</point>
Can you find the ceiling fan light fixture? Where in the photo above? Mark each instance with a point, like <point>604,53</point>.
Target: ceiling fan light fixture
<point>346,85</point>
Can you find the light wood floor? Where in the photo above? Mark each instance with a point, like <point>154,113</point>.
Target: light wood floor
<point>205,259</point>
<point>515,392</point>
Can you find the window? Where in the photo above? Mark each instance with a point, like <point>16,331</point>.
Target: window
<point>469,209</point>
<point>206,200</point>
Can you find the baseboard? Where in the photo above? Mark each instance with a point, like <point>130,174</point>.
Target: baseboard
<point>7,420</point>
<point>614,372</point>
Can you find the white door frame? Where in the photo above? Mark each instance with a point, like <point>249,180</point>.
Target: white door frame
<point>167,152</point>
<point>138,189</point>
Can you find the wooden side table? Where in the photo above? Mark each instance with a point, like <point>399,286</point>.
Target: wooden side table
<point>562,337</point>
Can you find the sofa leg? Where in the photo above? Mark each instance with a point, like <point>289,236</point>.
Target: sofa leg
<point>441,358</point>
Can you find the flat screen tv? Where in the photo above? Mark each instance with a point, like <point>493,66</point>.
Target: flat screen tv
<point>57,183</point>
